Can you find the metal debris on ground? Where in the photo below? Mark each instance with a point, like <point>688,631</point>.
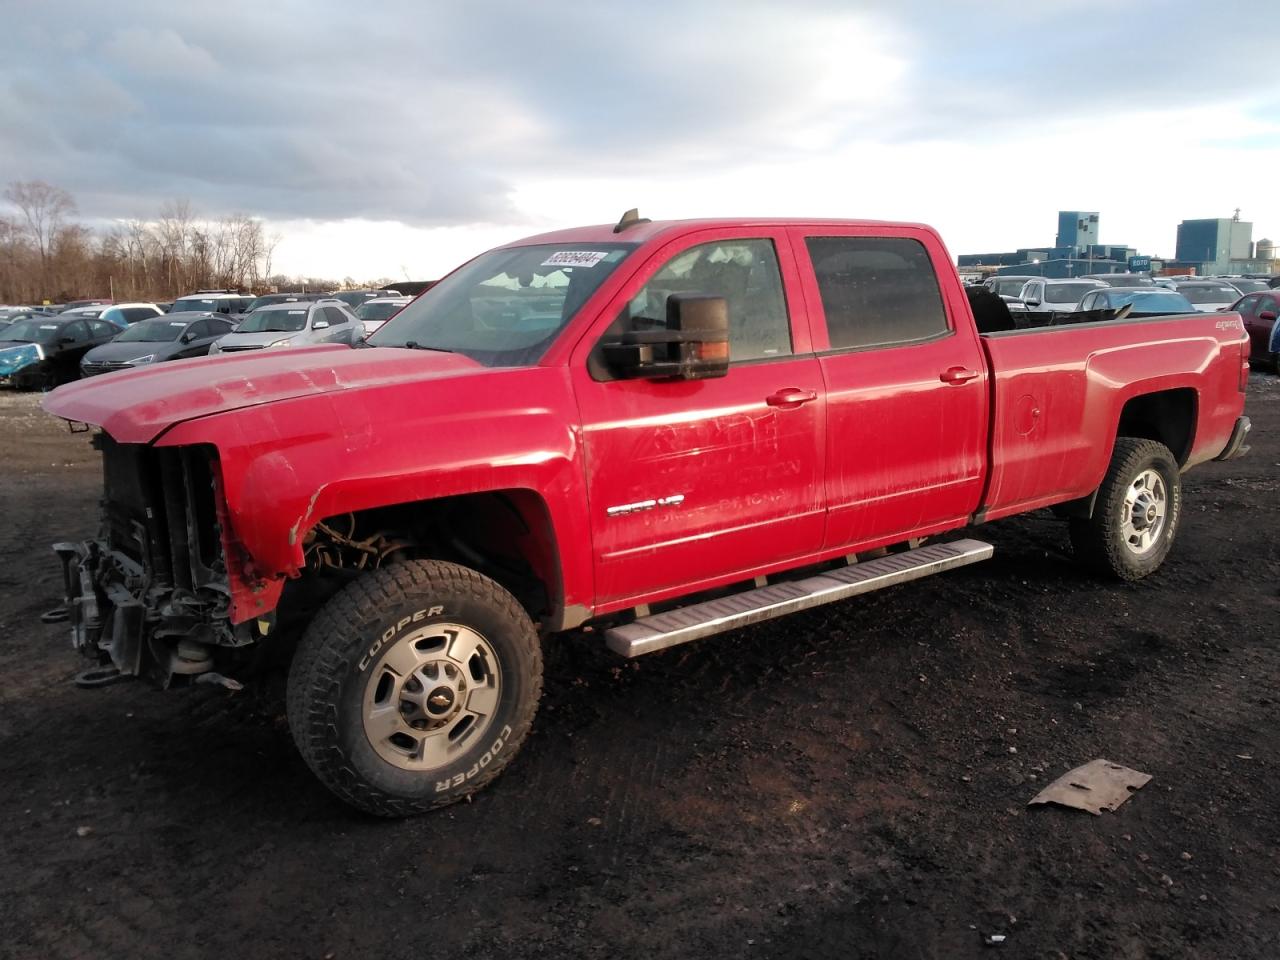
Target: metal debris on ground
<point>1096,786</point>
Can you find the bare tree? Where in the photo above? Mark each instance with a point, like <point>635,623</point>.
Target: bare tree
<point>45,209</point>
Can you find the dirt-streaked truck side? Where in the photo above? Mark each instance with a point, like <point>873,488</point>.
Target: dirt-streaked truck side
<point>665,430</point>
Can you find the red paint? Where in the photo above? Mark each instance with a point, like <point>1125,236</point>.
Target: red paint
<point>782,462</point>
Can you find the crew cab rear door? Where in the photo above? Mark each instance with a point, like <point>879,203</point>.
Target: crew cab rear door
<point>691,482</point>
<point>905,377</point>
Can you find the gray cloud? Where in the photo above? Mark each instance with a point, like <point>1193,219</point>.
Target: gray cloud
<point>431,113</point>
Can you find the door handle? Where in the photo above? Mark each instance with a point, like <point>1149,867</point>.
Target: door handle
<point>957,375</point>
<point>790,397</point>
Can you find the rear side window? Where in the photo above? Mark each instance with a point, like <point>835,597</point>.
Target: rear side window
<point>335,316</point>
<point>877,291</point>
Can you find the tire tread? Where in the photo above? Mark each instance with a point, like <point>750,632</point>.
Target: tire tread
<point>314,678</point>
<point>1096,540</point>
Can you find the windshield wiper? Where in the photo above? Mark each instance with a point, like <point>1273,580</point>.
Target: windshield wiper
<point>415,345</point>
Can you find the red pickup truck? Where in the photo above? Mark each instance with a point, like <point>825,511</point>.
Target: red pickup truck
<point>660,430</point>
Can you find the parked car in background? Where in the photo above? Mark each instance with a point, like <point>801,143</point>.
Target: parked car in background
<point>10,314</point>
<point>1009,286</point>
<point>1259,312</point>
<point>175,337</point>
<point>1208,296</point>
<point>119,314</point>
<point>1142,301</point>
<point>292,325</point>
<point>1121,279</point>
<point>41,353</point>
<point>353,298</point>
<point>74,304</point>
<point>1062,295</point>
<point>215,302</point>
<point>374,313</point>
<point>269,298</point>
<point>1244,284</point>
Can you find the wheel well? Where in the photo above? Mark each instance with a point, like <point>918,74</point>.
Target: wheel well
<point>507,535</point>
<point>1168,417</point>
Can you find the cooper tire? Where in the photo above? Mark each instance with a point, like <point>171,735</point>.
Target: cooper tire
<point>1136,514</point>
<point>414,687</point>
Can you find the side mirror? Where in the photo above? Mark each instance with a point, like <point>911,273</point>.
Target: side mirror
<point>691,344</point>
<point>1267,316</point>
<point>320,325</point>
<point>1032,302</point>
<point>187,337</point>
<point>65,340</point>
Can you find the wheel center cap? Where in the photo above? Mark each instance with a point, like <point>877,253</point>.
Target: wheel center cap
<point>440,700</point>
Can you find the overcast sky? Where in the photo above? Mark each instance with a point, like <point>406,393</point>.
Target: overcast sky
<point>397,139</point>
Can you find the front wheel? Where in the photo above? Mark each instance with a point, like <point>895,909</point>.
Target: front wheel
<point>1135,516</point>
<point>414,687</point>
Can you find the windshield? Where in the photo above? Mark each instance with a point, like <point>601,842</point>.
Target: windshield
<point>30,331</point>
<point>352,298</point>
<point>1008,286</point>
<point>1250,286</point>
<point>273,298</point>
<point>1155,301</point>
<point>1210,294</point>
<point>505,308</point>
<point>378,311</point>
<point>195,305</point>
<point>275,320</point>
<point>153,331</point>
<point>1067,292</point>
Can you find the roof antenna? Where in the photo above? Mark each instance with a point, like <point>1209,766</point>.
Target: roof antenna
<point>630,219</point>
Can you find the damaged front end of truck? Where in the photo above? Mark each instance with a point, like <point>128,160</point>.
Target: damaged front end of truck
<point>151,595</point>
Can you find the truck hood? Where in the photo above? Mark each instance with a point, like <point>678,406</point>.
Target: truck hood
<point>138,405</point>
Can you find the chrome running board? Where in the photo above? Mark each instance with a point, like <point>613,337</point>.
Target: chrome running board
<point>662,630</point>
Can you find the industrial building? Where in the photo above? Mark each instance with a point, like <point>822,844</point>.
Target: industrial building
<point>1221,246</point>
<point>1075,252</point>
<point>1204,247</point>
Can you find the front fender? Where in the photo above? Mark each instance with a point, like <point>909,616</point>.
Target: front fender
<point>289,464</point>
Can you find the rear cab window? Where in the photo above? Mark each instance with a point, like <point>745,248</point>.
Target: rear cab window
<point>877,291</point>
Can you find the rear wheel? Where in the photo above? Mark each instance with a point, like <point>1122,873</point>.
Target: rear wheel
<point>1136,513</point>
<point>414,687</point>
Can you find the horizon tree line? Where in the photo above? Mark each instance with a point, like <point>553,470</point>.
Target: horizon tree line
<point>47,256</point>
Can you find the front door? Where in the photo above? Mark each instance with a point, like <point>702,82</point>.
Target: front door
<point>695,482</point>
<point>906,386</point>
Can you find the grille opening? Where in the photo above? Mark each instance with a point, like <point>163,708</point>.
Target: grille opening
<point>158,509</point>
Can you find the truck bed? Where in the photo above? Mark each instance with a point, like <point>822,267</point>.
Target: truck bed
<point>1059,392</point>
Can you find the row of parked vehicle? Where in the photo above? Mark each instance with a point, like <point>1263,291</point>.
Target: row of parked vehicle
<point>42,347</point>
<point>1256,299</point>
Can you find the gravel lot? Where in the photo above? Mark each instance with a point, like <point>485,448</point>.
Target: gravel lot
<point>851,782</point>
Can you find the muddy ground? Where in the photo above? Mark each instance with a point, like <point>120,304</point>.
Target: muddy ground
<point>847,783</point>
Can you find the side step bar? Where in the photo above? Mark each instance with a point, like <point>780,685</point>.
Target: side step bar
<point>700,620</point>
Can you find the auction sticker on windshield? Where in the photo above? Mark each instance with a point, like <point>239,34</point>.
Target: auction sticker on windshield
<point>575,258</point>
